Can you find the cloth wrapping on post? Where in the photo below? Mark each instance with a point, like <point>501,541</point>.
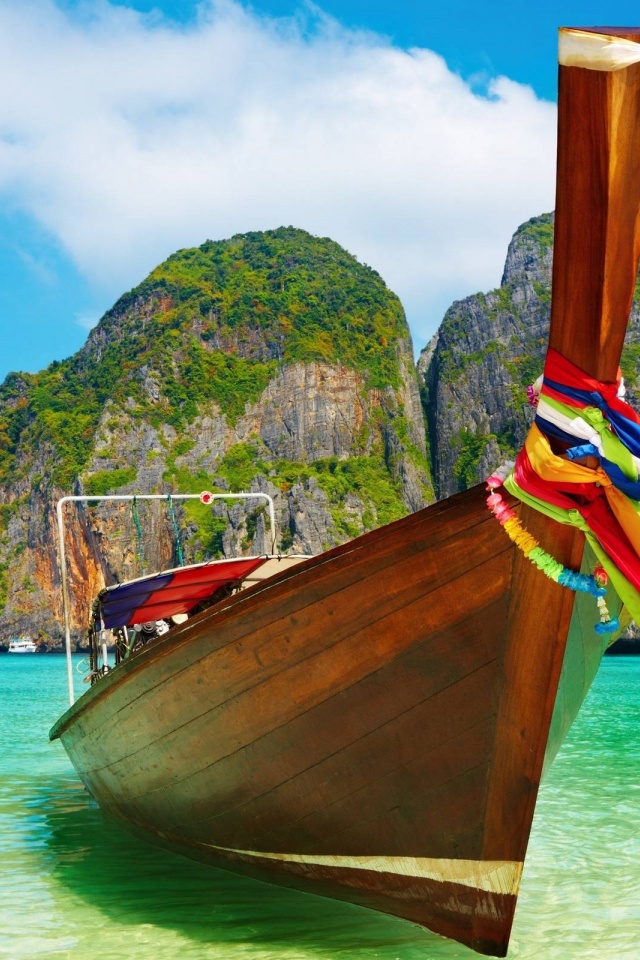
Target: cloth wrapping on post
<point>600,497</point>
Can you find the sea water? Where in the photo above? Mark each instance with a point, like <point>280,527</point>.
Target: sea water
<point>73,885</point>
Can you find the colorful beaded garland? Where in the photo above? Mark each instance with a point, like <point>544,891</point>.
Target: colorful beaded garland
<point>527,543</point>
<point>533,392</point>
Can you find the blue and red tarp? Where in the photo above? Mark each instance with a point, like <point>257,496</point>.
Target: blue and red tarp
<point>163,595</point>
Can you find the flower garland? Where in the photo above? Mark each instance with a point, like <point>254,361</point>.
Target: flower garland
<point>527,543</point>
<point>533,392</point>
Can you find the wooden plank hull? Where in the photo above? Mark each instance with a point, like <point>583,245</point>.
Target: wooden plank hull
<point>366,726</point>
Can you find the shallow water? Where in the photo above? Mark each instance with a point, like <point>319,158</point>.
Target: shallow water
<point>73,885</point>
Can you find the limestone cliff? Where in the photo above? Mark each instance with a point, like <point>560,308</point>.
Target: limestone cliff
<point>488,349</point>
<point>272,361</point>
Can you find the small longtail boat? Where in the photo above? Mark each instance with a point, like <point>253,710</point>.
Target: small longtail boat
<point>372,724</point>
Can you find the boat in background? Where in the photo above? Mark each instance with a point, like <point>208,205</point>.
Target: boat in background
<point>22,645</point>
<point>372,724</point>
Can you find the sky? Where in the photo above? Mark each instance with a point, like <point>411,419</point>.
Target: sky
<point>417,135</point>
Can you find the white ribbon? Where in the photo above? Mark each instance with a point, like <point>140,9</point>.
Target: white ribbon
<point>575,427</point>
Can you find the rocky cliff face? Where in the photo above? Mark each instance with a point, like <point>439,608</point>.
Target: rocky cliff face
<point>476,370</point>
<point>489,348</point>
<point>270,362</point>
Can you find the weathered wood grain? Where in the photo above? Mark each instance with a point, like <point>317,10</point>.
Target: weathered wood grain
<point>373,695</point>
<point>596,249</point>
<point>597,243</point>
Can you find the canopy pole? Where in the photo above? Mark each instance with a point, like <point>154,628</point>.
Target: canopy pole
<point>65,598</point>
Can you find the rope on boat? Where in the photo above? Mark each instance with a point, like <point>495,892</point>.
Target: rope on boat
<point>138,526</point>
<point>176,532</point>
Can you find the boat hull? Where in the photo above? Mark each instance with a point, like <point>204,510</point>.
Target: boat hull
<point>367,726</point>
<point>22,646</point>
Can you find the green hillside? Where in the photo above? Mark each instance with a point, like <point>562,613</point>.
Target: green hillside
<point>211,323</point>
<point>270,361</point>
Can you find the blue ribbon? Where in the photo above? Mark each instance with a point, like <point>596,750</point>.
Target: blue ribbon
<point>630,488</point>
<point>627,430</point>
<point>551,430</point>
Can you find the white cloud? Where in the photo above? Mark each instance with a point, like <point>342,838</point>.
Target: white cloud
<point>128,137</point>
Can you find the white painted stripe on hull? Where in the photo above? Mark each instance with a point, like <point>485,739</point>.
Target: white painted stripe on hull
<point>492,876</point>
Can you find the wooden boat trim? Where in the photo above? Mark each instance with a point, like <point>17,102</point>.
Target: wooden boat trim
<point>595,264</point>
<point>494,876</point>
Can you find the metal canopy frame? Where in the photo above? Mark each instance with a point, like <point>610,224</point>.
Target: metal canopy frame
<point>205,497</point>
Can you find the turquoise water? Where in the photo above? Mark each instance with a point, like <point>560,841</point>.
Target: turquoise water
<point>72,885</point>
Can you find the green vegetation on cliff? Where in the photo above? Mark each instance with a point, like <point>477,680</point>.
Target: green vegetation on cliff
<point>539,230</point>
<point>365,476</point>
<point>212,323</point>
<point>302,298</point>
<point>472,447</point>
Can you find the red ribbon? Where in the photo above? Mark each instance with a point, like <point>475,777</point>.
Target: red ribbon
<point>561,370</point>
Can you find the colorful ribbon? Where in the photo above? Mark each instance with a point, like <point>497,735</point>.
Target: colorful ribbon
<point>526,542</point>
<point>587,421</point>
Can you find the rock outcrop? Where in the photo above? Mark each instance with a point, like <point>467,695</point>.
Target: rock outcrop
<point>488,349</point>
<point>270,362</point>
<point>476,370</point>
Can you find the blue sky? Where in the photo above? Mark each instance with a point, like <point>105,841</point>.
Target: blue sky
<point>417,135</point>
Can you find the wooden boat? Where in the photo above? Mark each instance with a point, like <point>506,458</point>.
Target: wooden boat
<point>373,724</point>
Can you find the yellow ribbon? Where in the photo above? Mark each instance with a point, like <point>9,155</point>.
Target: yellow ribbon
<point>556,469</point>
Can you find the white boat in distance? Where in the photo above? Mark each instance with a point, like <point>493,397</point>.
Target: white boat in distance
<point>22,645</point>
